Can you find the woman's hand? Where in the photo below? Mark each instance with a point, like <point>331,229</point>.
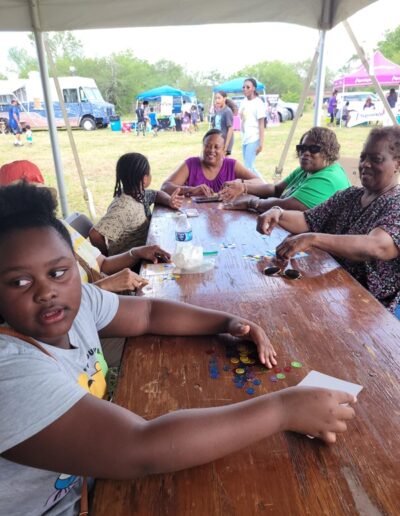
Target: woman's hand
<point>176,199</point>
<point>267,221</point>
<point>231,190</point>
<point>121,281</point>
<point>248,330</point>
<point>151,253</point>
<point>201,190</point>
<point>294,244</point>
<point>317,412</point>
<point>241,203</point>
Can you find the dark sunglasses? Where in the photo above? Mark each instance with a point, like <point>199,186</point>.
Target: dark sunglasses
<point>275,270</point>
<point>313,149</point>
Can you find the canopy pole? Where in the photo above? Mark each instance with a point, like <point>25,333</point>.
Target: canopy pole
<point>87,194</point>
<point>33,6</point>
<point>364,60</point>
<point>279,168</point>
<point>320,86</point>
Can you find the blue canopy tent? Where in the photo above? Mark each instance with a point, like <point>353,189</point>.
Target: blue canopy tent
<point>155,95</point>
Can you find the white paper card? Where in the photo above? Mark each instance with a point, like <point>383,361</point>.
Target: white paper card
<point>316,379</point>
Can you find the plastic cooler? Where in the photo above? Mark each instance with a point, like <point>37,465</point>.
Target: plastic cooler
<point>115,123</point>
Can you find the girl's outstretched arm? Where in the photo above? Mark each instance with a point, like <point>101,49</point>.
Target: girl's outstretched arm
<point>140,316</point>
<point>97,438</point>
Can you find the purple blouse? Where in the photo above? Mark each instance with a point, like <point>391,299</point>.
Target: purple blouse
<point>343,214</point>
<point>197,177</point>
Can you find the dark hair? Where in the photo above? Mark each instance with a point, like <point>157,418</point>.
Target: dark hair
<point>253,82</point>
<point>222,93</point>
<point>211,132</point>
<point>26,206</point>
<point>389,134</point>
<point>130,173</point>
<point>328,141</point>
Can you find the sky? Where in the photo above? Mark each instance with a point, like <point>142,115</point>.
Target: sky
<point>227,48</point>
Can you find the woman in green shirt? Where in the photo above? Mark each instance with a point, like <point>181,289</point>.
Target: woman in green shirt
<point>317,178</point>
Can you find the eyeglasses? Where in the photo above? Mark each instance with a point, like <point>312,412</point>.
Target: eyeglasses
<point>275,270</point>
<point>312,149</point>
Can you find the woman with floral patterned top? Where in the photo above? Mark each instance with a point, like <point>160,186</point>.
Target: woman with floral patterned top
<point>360,226</point>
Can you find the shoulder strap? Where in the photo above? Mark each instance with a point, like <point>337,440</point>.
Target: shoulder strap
<point>12,333</point>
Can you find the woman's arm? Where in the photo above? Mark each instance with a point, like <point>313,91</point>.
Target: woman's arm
<point>98,240</point>
<point>261,129</point>
<point>126,446</point>
<point>292,221</point>
<point>377,245</point>
<point>177,180</point>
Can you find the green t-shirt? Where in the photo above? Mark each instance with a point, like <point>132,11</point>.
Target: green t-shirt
<point>313,189</point>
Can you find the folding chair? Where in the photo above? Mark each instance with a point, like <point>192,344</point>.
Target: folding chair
<point>80,223</point>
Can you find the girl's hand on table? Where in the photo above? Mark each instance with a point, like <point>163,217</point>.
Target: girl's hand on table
<point>176,199</point>
<point>251,331</point>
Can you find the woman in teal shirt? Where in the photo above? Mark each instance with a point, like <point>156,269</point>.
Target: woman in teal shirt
<point>317,178</point>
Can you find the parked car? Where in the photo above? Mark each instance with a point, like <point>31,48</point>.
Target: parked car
<point>357,100</point>
<point>286,110</point>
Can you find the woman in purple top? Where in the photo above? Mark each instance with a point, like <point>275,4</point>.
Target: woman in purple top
<point>332,106</point>
<point>207,174</point>
<point>359,226</point>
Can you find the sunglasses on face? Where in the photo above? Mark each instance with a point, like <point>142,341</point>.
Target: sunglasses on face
<point>312,149</point>
<point>275,270</point>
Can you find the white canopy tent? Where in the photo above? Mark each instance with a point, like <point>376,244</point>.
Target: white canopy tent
<point>58,15</point>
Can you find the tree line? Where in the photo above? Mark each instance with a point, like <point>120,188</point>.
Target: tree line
<point>122,76</point>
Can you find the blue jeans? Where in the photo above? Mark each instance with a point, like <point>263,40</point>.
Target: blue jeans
<point>397,312</point>
<point>249,156</point>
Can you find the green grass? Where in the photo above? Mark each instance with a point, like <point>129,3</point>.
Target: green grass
<point>99,151</point>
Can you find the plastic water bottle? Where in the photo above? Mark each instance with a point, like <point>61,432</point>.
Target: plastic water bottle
<point>183,229</point>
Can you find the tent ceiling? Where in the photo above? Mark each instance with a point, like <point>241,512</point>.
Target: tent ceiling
<point>59,15</point>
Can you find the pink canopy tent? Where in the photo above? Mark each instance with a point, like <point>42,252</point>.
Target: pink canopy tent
<point>386,72</point>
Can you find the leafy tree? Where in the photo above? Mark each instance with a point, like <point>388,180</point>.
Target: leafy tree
<point>390,45</point>
<point>23,62</point>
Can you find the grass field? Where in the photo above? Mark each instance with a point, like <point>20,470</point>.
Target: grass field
<point>99,151</point>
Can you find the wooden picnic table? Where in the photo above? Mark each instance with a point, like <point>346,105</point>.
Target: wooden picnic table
<point>327,322</point>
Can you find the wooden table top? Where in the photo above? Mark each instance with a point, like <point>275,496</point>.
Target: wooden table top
<point>326,321</point>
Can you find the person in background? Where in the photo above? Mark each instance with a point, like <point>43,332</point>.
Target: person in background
<point>56,426</point>
<point>28,134</point>
<point>172,122</point>
<point>194,116</point>
<point>126,223</point>
<point>369,104</point>
<point>359,226</point>
<point>346,114</point>
<point>140,120</point>
<point>206,175</point>
<point>332,107</point>
<point>252,114</point>
<point>153,121</point>
<point>223,120</point>
<point>14,122</point>
<point>392,98</point>
<point>316,179</point>
<point>186,122</point>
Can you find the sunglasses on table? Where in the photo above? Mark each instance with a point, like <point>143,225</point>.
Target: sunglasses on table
<point>275,270</point>
<point>312,149</point>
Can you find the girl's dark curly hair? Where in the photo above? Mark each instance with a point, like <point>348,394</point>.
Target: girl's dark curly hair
<point>391,135</point>
<point>26,206</point>
<point>130,173</point>
<point>326,138</point>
